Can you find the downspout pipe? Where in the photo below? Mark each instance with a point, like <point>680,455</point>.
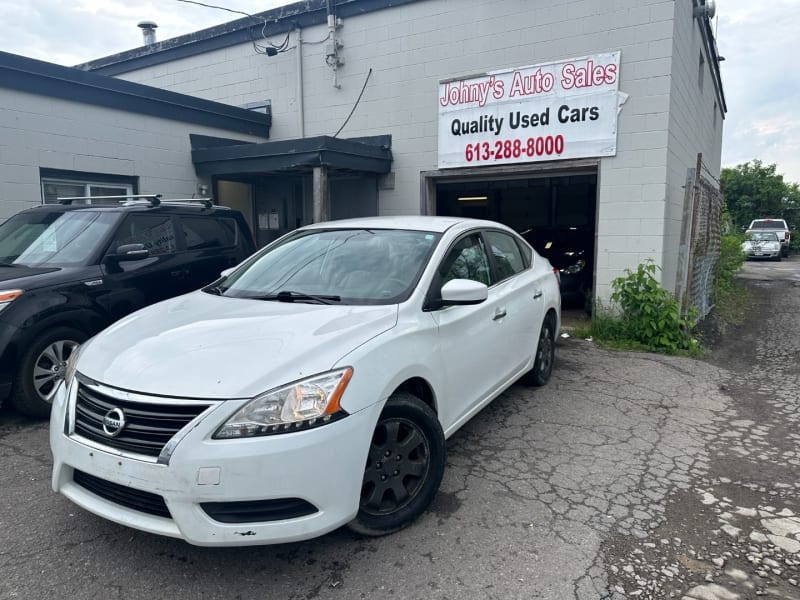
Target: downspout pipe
<point>301,116</point>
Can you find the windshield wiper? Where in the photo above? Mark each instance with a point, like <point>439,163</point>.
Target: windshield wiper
<point>291,296</point>
<point>215,289</point>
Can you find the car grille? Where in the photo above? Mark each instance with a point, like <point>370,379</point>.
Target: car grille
<point>148,425</point>
<point>145,502</point>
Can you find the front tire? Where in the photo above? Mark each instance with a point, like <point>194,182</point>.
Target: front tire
<point>41,369</point>
<point>404,468</point>
<point>539,375</point>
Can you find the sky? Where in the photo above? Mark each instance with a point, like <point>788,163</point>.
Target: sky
<point>759,41</point>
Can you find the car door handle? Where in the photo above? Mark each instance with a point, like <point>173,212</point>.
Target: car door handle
<point>499,314</point>
<point>537,295</point>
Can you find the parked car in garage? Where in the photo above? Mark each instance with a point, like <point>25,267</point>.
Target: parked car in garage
<point>311,387</point>
<point>762,244</point>
<point>571,251</point>
<point>68,270</point>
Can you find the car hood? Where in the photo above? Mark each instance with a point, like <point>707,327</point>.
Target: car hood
<point>204,346</point>
<point>22,276</point>
<point>564,259</point>
<point>760,244</point>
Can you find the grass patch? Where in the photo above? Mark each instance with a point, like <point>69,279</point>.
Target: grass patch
<point>648,317</point>
<point>732,306</point>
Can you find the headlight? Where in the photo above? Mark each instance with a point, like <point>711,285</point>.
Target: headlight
<point>576,268</point>
<point>301,405</point>
<point>72,362</point>
<point>8,296</point>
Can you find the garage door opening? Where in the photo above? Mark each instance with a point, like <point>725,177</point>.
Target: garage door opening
<point>555,214</point>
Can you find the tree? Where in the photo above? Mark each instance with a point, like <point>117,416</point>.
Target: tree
<point>755,191</point>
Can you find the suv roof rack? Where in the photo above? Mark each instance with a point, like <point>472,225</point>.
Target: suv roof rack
<point>207,202</point>
<point>151,199</point>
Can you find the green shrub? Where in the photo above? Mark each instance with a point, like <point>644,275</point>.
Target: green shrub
<point>730,299</point>
<point>731,259</point>
<point>794,241</point>
<point>650,314</point>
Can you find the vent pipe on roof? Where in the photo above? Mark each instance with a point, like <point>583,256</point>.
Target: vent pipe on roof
<point>148,32</point>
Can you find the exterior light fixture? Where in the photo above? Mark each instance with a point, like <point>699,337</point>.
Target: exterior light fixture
<point>706,10</point>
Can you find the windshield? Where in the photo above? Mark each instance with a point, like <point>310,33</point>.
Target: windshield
<point>58,238</point>
<point>348,266</point>
<point>765,236</point>
<point>769,224</point>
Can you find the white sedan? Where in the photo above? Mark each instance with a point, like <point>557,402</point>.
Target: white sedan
<point>762,244</point>
<point>311,387</point>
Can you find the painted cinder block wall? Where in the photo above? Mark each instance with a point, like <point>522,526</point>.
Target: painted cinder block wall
<point>695,124</point>
<point>41,131</point>
<point>410,48</point>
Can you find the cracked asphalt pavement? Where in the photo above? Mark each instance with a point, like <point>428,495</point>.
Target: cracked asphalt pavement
<point>629,475</point>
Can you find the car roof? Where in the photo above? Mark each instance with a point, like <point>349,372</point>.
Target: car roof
<point>165,206</point>
<point>408,222</point>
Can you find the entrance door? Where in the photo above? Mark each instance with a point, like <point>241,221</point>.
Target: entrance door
<point>238,196</point>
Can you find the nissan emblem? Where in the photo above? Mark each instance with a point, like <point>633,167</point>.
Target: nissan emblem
<point>113,422</point>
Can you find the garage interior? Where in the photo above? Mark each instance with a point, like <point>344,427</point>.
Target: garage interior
<point>555,214</point>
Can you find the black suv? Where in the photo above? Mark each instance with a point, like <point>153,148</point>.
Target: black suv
<point>68,270</point>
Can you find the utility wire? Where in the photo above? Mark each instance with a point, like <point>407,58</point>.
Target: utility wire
<point>259,49</point>
<point>355,105</point>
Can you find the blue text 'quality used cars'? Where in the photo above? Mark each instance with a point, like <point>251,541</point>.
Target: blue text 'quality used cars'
<point>312,386</point>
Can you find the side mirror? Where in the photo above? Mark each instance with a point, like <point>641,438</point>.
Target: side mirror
<point>130,252</point>
<point>227,271</point>
<point>460,292</point>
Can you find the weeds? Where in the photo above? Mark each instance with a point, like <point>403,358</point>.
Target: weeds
<point>732,298</point>
<point>649,317</point>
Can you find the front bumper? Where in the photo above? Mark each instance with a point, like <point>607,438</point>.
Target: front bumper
<point>322,466</point>
<point>763,253</point>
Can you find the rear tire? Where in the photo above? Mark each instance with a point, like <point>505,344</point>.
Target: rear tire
<point>539,375</point>
<point>41,370</point>
<point>404,468</point>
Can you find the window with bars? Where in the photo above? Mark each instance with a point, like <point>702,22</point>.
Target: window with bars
<point>53,189</point>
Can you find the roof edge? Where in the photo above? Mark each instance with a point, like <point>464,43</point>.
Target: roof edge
<point>270,23</point>
<point>29,75</point>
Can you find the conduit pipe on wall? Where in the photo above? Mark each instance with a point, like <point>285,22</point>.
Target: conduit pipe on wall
<point>301,117</point>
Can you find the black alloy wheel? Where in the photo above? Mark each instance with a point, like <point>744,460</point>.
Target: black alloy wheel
<point>404,467</point>
<point>41,370</point>
<point>545,354</point>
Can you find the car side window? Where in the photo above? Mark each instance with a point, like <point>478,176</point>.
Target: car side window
<point>507,257</point>
<point>466,260</point>
<point>202,232</point>
<point>155,232</point>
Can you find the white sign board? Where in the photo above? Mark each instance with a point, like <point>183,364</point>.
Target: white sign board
<point>566,109</point>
